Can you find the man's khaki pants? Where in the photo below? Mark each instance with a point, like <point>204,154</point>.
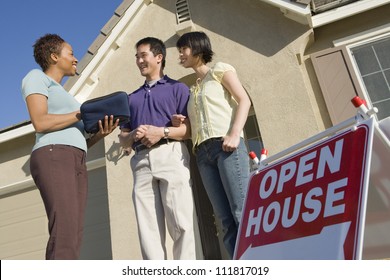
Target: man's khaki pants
<point>162,193</point>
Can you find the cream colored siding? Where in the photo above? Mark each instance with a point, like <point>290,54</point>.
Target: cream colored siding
<point>23,226</point>
<point>97,237</point>
<point>298,83</point>
<point>23,223</point>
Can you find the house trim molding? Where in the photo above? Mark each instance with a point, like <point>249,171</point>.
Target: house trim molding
<point>28,183</point>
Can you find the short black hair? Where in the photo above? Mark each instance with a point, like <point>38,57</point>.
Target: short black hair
<point>199,43</point>
<point>156,47</point>
<point>45,46</point>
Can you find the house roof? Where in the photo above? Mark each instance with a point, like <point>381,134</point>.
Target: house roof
<point>297,10</point>
<point>26,127</point>
<point>302,11</point>
<point>98,42</point>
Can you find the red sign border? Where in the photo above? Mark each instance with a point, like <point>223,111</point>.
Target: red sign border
<point>363,190</point>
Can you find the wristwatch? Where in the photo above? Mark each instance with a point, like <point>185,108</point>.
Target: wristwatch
<point>166,132</point>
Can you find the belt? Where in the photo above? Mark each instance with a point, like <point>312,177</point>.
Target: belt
<point>162,141</point>
<point>206,142</point>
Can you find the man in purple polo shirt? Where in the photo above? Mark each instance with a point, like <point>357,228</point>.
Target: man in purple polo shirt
<point>162,184</point>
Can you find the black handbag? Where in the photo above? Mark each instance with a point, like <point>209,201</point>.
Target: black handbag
<point>93,110</point>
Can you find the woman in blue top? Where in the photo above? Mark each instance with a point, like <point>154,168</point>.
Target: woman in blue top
<point>57,161</point>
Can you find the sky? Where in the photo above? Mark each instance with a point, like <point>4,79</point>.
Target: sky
<point>22,22</point>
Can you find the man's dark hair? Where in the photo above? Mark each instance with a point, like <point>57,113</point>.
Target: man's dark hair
<point>156,47</point>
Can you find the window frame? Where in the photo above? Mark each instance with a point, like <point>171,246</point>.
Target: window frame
<point>349,48</point>
<point>338,91</point>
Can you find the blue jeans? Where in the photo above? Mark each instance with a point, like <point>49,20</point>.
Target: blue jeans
<point>225,176</point>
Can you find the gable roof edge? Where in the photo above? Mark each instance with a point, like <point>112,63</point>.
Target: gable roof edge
<point>87,72</point>
<point>113,39</point>
<point>16,132</point>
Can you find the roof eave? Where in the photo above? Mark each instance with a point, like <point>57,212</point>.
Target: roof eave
<point>346,11</point>
<point>87,74</point>
<point>113,41</point>
<point>16,132</point>
<point>302,13</point>
<point>295,11</point>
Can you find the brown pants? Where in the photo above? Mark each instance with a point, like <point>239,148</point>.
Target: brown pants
<point>59,172</point>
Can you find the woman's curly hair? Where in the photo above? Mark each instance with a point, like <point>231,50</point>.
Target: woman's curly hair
<point>44,47</point>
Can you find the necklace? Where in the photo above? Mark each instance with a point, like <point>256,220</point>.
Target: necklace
<point>200,79</point>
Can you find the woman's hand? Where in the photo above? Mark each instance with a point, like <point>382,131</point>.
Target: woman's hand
<point>126,140</point>
<point>108,126</point>
<point>230,143</point>
<point>177,120</point>
<point>105,128</point>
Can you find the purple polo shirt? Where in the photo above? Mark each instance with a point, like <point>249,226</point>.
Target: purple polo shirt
<point>155,105</point>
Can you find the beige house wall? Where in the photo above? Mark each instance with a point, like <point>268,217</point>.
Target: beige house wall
<point>258,52</point>
<point>340,33</point>
<point>258,44</point>
<point>23,222</point>
<point>271,55</point>
<point>18,152</point>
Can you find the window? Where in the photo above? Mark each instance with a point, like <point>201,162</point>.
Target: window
<point>252,133</point>
<point>358,65</point>
<point>372,60</point>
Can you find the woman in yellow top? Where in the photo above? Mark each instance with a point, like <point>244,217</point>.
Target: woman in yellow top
<point>217,111</point>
